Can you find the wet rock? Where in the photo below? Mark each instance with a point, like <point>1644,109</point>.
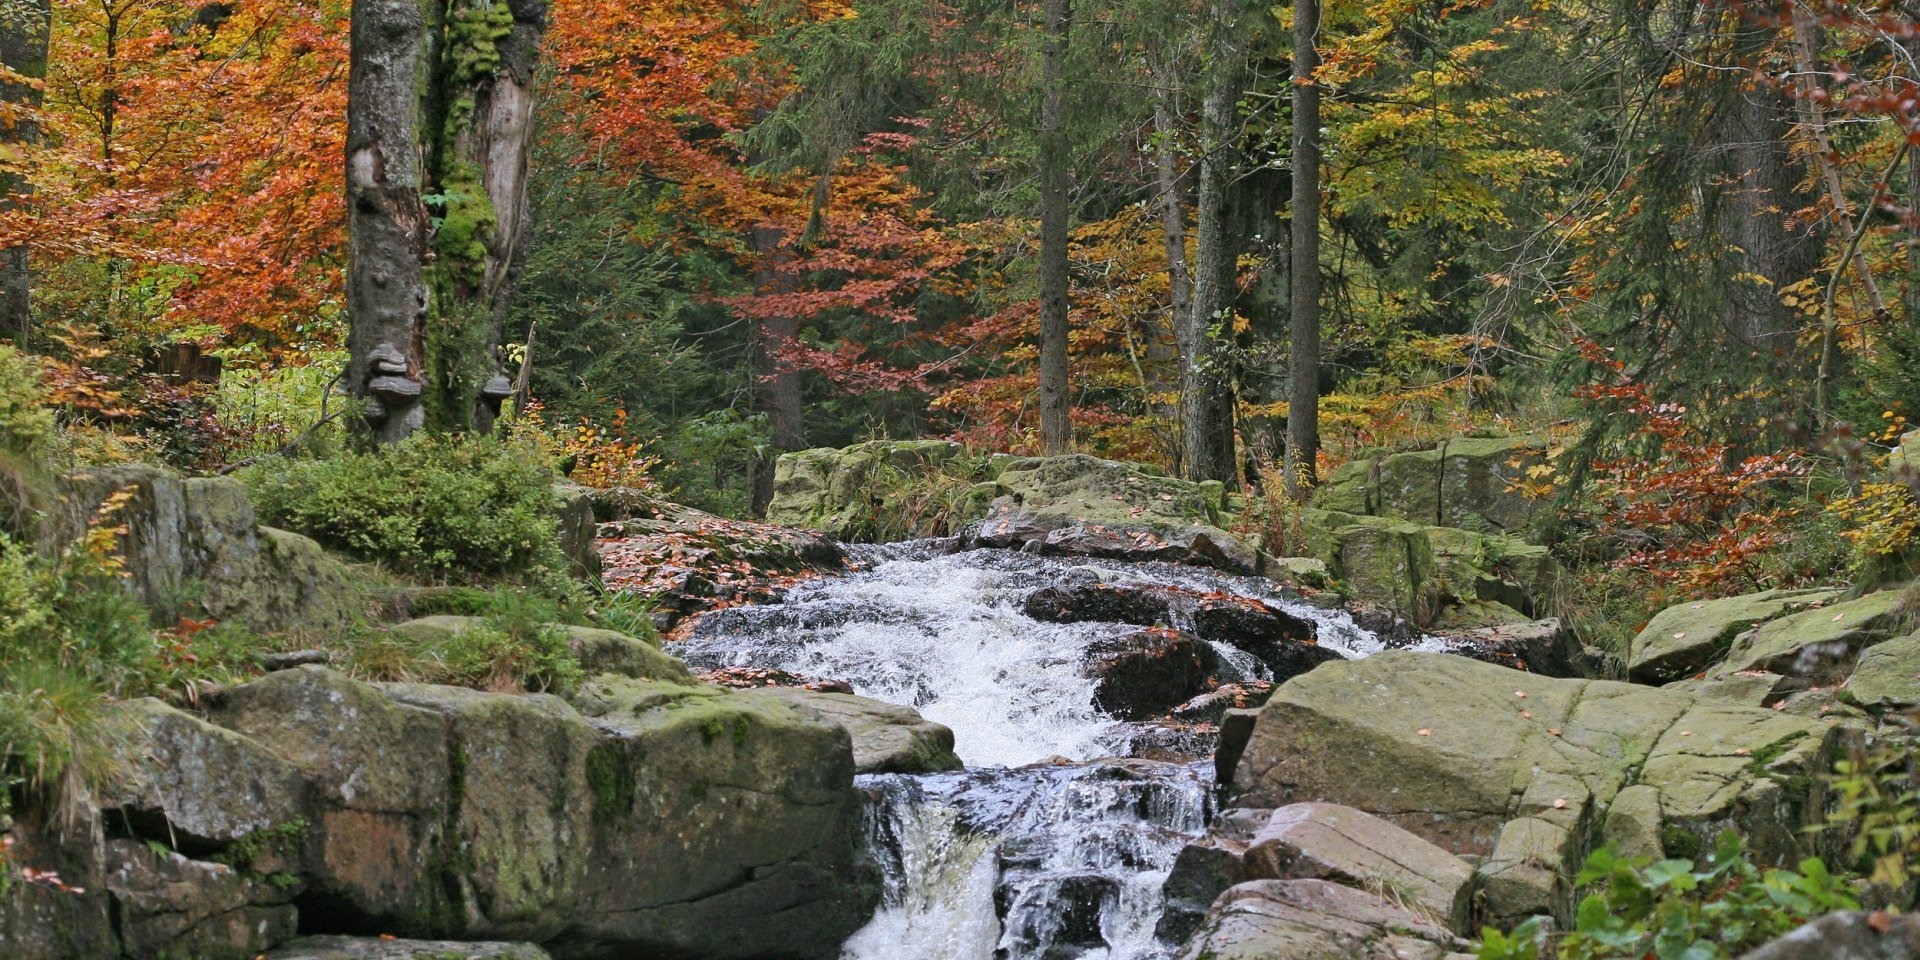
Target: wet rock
<point>1147,672</point>
<point>1847,935</point>
<point>1686,638</point>
<point>1314,920</point>
<point>750,678</point>
<point>1280,640</point>
<point>1171,741</point>
<point>1819,645</point>
<point>1323,841</point>
<point>1101,602</point>
<point>886,738</point>
<point>167,905</point>
<point>385,948</point>
<point>1212,706</point>
<point>1455,751</point>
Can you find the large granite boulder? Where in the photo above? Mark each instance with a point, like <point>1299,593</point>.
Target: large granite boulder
<point>1421,571</point>
<point>1145,672</point>
<point>168,905</point>
<point>1085,506</point>
<point>1521,770</point>
<point>1280,640</point>
<point>1887,678</point>
<point>1324,841</point>
<point>1820,645</point>
<point>838,491</point>
<point>887,738</point>
<point>723,826</point>
<point>1315,920</point>
<point>1472,483</point>
<point>198,539</point>
<point>1687,638</point>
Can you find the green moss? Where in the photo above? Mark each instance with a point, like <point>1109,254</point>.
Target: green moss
<point>241,853</point>
<point>1679,843</point>
<point>611,783</point>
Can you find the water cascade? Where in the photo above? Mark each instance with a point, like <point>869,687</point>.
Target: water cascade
<point>1052,844</point>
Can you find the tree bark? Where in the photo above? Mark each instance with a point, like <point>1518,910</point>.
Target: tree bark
<point>23,51</point>
<point>1173,233</point>
<point>776,388</point>
<point>1303,363</point>
<point>1056,425</point>
<point>1206,382</point>
<point>439,124</point>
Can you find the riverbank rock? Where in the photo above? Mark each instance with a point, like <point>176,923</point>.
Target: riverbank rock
<point>1887,678</point>
<point>1522,770</point>
<point>1145,672</point>
<point>1472,483</point>
<point>386,948</point>
<point>1314,920</point>
<point>1084,506</point>
<point>690,560</point>
<point>1324,841</point>
<point>1820,645</point>
<point>598,651</point>
<point>1420,572</point>
<point>1280,640</point>
<point>1848,935</point>
<point>1687,638</point>
<point>887,738</point>
<point>841,492</point>
<point>198,540</point>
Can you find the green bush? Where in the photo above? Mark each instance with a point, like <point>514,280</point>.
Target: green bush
<point>26,431</point>
<point>436,508</point>
<point>1675,910</point>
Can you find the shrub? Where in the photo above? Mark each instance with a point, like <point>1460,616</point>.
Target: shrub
<point>1675,910</point>
<point>26,430</point>
<point>437,508</point>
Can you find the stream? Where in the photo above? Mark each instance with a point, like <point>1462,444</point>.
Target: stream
<point>1053,843</point>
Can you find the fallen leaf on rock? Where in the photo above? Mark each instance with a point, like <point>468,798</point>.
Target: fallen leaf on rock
<point>1426,733</point>
<point>1553,731</point>
<point>1839,617</point>
<point>1560,804</point>
<point>1527,714</point>
<point>1741,752</point>
<point>1519,693</point>
<point>1686,733</point>
<point>1682,635</point>
<point>1880,920</point>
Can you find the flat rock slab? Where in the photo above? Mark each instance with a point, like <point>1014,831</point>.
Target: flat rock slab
<point>1453,749</point>
<point>1849,935</point>
<point>1822,644</point>
<point>887,738</point>
<point>1887,677</point>
<point>378,948</point>
<point>1325,841</point>
<point>1314,920</point>
<point>1686,638</point>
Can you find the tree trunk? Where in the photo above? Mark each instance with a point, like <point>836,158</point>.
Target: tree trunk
<point>1173,232</point>
<point>776,387</point>
<point>1056,425</point>
<point>1913,204</point>
<point>439,123</point>
<point>23,51</point>
<point>1303,364</point>
<point>1206,383</point>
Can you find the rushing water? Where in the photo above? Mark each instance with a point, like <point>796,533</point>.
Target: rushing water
<point>1050,846</point>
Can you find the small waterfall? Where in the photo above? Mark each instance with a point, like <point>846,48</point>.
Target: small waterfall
<point>1047,847</point>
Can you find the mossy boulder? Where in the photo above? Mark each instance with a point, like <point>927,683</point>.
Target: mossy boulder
<point>198,540</point>
<point>598,651</point>
<point>1820,645</point>
<point>169,905</point>
<point>1887,678</point>
<point>723,826</point>
<point>887,738</point>
<point>1686,638</point>
<point>1521,769</point>
<point>1472,483</point>
<point>1085,506</point>
<point>1418,570</point>
<point>837,491</point>
<point>185,781</point>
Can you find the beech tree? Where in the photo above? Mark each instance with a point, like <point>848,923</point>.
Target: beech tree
<point>439,124</point>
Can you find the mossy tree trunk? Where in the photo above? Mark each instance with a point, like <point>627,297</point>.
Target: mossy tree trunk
<point>24,26</point>
<point>439,122</point>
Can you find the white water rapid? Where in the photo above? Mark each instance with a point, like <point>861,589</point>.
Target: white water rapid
<point>1051,845</point>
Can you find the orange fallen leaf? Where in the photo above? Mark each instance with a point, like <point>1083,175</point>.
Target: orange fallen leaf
<point>1527,714</point>
<point>1560,804</point>
<point>1880,920</point>
<point>1519,693</point>
<point>1425,732</point>
<point>1553,731</point>
<point>1743,751</point>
